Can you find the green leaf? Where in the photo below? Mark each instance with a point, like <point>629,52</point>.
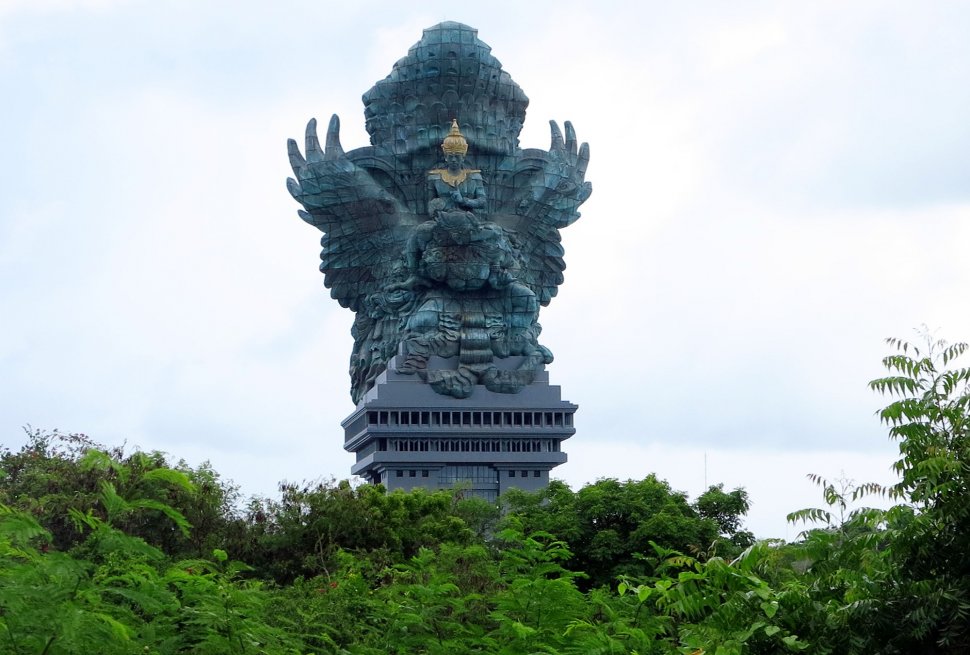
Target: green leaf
<point>114,505</point>
<point>98,460</point>
<point>173,514</point>
<point>169,476</point>
<point>19,526</point>
<point>728,648</point>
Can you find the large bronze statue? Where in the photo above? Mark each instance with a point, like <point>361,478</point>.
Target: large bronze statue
<point>443,263</point>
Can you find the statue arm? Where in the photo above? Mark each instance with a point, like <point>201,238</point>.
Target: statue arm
<point>477,198</point>
<point>474,196</point>
<point>434,199</point>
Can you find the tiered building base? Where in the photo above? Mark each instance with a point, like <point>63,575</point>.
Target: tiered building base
<point>407,436</point>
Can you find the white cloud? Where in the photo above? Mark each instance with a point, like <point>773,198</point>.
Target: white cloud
<point>728,285</point>
<point>51,6</point>
<point>729,46</point>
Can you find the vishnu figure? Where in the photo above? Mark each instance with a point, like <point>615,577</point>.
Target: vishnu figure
<point>468,268</point>
<point>457,247</point>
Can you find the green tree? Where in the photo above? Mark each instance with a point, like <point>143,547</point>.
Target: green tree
<point>113,592</point>
<point>715,606</point>
<point>45,479</point>
<point>608,525</point>
<point>49,603</point>
<point>897,580</point>
<point>302,533</point>
<point>844,568</point>
<point>56,473</point>
<point>930,418</point>
<point>727,510</point>
<point>538,598</point>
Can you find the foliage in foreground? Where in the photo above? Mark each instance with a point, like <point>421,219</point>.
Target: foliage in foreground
<point>107,553</point>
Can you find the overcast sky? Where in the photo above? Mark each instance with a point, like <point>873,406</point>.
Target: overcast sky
<point>776,188</point>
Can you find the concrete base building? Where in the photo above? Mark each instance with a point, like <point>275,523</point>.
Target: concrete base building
<point>407,436</point>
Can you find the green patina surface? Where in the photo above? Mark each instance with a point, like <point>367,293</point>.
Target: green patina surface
<point>443,235</point>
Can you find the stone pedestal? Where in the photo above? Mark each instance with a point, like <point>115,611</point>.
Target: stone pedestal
<point>406,436</point>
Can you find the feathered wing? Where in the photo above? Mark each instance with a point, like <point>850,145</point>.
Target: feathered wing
<point>366,214</point>
<point>356,201</point>
<point>538,193</point>
<point>360,251</point>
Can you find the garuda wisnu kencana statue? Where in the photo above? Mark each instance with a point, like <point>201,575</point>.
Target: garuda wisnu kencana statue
<point>443,235</point>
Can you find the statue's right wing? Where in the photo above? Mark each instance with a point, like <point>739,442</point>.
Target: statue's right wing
<point>356,200</point>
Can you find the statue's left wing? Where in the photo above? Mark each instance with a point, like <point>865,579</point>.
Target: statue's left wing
<point>540,194</point>
<point>356,201</point>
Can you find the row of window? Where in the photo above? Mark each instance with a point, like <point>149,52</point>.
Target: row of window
<point>469,445</point>
<point>451,474</point>
<point>470,418</point>
<point>525,474</point>
<point>412,473</point>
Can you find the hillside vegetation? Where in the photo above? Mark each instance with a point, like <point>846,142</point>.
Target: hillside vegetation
<point>107,552</point>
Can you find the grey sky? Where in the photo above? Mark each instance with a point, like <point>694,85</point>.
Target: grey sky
<point>777,187</point>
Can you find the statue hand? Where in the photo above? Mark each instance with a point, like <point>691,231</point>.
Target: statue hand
<point>326,177</point>
<point>561,188</point>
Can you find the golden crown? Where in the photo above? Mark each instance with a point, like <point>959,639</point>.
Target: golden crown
<point>454,143</point>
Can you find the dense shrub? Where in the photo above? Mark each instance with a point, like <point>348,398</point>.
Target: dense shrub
<point>103,552</point>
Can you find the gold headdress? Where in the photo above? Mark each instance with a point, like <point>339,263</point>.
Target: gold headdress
<point>454,143</point>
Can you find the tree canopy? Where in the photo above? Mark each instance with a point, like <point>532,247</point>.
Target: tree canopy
<point>112,552</point>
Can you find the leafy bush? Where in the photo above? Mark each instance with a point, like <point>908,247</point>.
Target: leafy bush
<point>102,552</point>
